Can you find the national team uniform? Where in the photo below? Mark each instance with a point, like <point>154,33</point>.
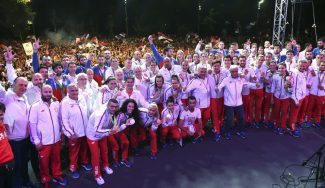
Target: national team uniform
<point>190,121</point>
<point>74,116</point>
<point>169,124</point>
<point>46,130</point>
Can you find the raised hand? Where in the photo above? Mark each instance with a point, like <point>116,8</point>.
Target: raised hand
<point>36,45</point>
<point>9,56</point>
<point>150,39</point>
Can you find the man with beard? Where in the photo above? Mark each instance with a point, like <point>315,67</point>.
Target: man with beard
<point>45,134</point>
<point>99,70</point>
<point>59,82</point>
<point>320,47</point>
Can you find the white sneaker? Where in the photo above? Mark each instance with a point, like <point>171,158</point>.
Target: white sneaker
<point>100,180</point>
<point>108,170</point>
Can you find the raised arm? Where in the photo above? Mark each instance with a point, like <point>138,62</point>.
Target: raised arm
<point>155,52</point>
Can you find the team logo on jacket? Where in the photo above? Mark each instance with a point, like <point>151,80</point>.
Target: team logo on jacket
<point>42,110</point>
<point>55,109</point>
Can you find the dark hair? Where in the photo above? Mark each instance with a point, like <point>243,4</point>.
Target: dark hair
<point>109,79</point>
<point>170,100</point>
<point>43,67</point>
<point>191,98</point>
<point>289,51</point>
<point>307,44</point>
<point>175,77</point>
<point>242,57</point>
<point>113,101</point>
<point>135,113</point>
<point>2,107</point>
<point>227,56</point>
<point>159,76</point>
<point>277,44</point>
<point>56,64</point>
<point>70,63</point>
<point>216,62</point>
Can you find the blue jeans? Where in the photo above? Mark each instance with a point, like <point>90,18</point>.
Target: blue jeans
<point>229,113</point>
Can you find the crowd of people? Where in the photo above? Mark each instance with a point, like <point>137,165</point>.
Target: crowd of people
<point>103,105</point>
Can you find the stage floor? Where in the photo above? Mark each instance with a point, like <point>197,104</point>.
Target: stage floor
<point>255,162</point>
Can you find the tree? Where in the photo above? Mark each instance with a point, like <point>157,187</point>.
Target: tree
<point>16,18</point>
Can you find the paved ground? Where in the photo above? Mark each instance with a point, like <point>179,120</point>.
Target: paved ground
<point>255,162</point>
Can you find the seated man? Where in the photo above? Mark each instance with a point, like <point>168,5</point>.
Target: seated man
<point>190,121</point>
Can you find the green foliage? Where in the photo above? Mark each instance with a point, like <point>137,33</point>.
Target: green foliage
<point>14,18</point>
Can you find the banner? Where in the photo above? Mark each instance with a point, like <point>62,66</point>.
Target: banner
<point>28,47</point>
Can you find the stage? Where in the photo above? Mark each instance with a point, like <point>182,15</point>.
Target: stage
<point>255,162</point>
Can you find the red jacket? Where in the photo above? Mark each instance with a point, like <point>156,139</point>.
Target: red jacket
<point>5,149</point>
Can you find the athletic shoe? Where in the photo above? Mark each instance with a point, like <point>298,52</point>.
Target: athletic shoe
<point>75,175</point>
<point>217,137</point>
<point>126,163</point>
<point>153,156</point>
<point>196,140</point>
<point>228,136</point>
<point>116,164</point>
<point>308,124</point>
<point>296,133</point>
<point>100,180</point>
<point>257,125</point>
<point>317,125</point>
<point>241,134</point>
<point>108,170</point>
<point>280,131</point>
<point>87,167</point>
<point>60,180</point>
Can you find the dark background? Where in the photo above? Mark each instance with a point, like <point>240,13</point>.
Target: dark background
<point>107,17</point>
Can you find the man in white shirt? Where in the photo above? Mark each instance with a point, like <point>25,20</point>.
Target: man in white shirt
<point>16,119</point>
<point>298,94</point>
<point>169,69</point>
<point>233,86</point>
<point>46,135</point>
<point>74,114</point>
<point>190,121</point>
<point>200,89</point>
<point>317,96</point>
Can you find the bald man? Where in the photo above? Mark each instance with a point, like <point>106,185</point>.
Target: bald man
<point>33,93</point>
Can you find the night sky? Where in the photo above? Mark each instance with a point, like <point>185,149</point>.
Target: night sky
<point>217,17</point>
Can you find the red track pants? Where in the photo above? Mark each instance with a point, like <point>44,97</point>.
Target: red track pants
<point>78,147</point>
<point>279,112</point>
<point>217,111</point>
<point>98,147</point>
<point>46,154</point>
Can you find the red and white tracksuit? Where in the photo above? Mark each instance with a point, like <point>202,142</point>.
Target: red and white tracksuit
<point>100,123</point>
<point>246,93</point>
<point>45,129</point>
<point>268,97</point>
<point>316,97</point>
<point>169,124</point>
<point>185,78</point>
<point>257,93</point>
<point>159,100</point>
<point>200,89</point>
<point>216,100</point>
<point>281,101</point>
<point>150,124</point>
<point>190,121</point>
<point>297,96</point>
<point>303,109</point>
<point>74,116</point>
<point>135,95</point>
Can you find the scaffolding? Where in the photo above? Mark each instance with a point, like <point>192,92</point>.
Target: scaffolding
<point>280,21</point>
